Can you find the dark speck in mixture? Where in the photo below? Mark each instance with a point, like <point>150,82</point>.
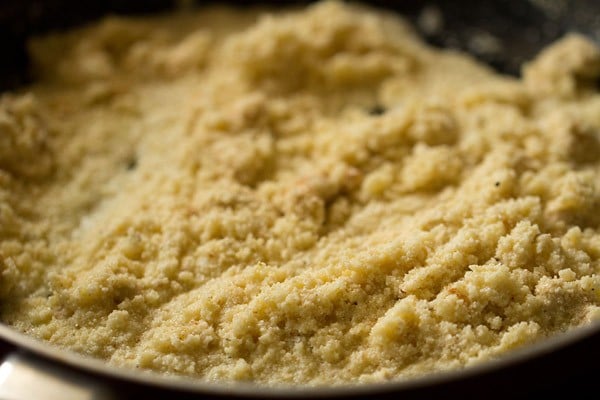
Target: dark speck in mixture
<point>377,109</point>
<point>131,164</point>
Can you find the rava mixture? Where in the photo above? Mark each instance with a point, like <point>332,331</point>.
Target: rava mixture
<point>308,196</point>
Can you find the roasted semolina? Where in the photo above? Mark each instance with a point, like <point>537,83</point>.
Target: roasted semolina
<point>307,196</point>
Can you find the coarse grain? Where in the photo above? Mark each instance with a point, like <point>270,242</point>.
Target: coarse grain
<point>307,196</point>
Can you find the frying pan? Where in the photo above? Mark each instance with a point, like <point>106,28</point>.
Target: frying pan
<point>30,369</point>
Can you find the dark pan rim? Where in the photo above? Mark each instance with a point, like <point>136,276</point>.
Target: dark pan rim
<point>153,379</point>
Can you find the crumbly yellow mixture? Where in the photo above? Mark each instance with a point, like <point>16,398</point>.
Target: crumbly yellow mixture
<point>306,197</point>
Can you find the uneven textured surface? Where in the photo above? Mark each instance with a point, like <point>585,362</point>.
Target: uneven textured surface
<point>303,197</point>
